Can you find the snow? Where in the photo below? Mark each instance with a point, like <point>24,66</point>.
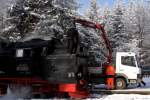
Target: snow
<point>35,14</point>
<point>9,28</point>
<point>122,97</point>
<point>125,96</point>
<point>26,8</point>
<point>17,93</point>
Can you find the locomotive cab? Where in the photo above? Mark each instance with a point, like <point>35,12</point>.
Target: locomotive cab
<point>22,59</point>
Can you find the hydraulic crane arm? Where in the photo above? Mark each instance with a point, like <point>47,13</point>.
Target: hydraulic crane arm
<point>101,28</point>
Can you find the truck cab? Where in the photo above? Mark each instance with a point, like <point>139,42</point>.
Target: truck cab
<point>127,69</point>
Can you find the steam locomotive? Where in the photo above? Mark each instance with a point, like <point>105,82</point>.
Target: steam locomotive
<point>50,60</point>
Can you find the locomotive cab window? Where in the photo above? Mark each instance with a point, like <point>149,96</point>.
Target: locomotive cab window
<point>21,53</point>
<point>128,60</point>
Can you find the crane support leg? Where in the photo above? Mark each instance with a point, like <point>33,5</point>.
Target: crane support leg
<point>110,82</point>
<point>110,72</point>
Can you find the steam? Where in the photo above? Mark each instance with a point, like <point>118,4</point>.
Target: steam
<point>17,92</point>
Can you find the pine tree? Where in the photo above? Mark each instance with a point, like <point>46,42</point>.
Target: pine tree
<point>34,18</point>
<point>106,18</point>
<point>70,6</point>
<point>14,29</point>
<point>93,45</point>
<point>143,29</point>
<point>91,38</point>
<point>146,53</point>
<point>4,4</point>
<point>117,35</point>
<point>1,22</point>
<point>93,12</point>
<point>54,23</point>
<point>131,28</point>
<point>106,15</point>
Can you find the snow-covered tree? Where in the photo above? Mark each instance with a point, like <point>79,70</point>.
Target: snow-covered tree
<point>54,23</point>
<point>117,35</point>
<point>136,23</point>
<point>131,28</point>
<point>93,12</point>
<point>91,37</point>
<point>106,18</point>
<point>143,25</point>
<point>47,15</point>
<point>146,41</point>
<point>93,45</point>
<point>70,6</point>
<point>3,7</point>
<point>16,14</point>
<point>28,18</point>
<point>1,22</point>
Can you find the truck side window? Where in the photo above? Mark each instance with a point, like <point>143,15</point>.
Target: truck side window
<point>128,60</point>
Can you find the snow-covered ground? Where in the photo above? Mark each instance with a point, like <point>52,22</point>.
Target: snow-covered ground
<point>126,96</point>
<point>121,97</point>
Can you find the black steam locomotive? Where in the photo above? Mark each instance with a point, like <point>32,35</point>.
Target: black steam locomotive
<point>52,60</point>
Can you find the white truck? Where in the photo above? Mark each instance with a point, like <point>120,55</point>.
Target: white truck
<point>127,71</point>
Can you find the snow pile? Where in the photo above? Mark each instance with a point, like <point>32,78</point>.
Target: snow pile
<point>122,97</point>
<point>16,93</point>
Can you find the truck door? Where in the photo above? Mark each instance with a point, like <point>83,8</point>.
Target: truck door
<point>129,67</point>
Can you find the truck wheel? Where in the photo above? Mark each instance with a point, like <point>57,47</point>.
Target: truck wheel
<point>120,83</point>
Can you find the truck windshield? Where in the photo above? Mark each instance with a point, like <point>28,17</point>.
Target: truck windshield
<point>128,60</point>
